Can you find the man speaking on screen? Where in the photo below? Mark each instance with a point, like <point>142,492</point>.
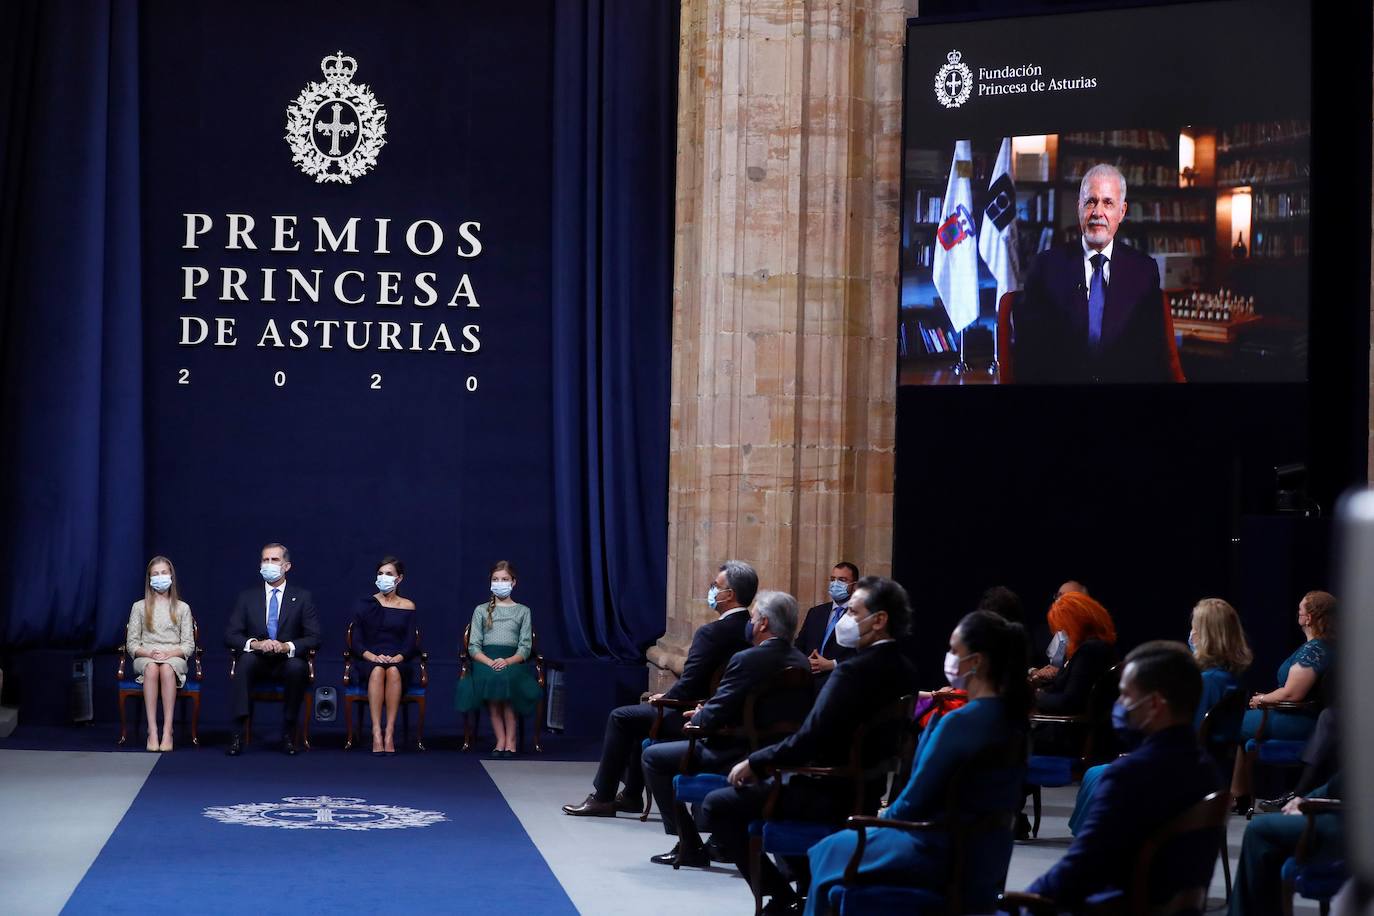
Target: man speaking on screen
<point>1091,310</point>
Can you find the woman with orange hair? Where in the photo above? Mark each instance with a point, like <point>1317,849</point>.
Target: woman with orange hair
<point>1089,639</point>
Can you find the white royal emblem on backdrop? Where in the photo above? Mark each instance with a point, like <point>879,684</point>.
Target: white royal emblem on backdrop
<point>336,128</point>
<point>954,82</point>
<point>324,812</point>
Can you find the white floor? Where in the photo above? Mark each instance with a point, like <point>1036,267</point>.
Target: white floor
<point>59,808</point>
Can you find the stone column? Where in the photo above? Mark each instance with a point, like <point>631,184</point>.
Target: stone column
<point>785,300</point>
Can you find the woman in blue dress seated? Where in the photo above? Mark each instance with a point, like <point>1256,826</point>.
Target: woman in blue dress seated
<point>500,641</point>
<point>1220,649</point>
<point>1299,676</point>
<point>987,657</point>
<point>383,645</point>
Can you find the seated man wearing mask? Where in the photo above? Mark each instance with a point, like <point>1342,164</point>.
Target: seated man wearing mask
<point>773,619</point>
<point>877,675</point>
<point>1138,793</point>
<point>730,593</point>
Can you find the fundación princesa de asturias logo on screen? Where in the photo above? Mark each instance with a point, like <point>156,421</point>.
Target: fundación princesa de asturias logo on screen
<point>954,82</point>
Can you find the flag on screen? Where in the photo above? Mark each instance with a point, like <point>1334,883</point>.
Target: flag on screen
<point>997,235</point>
<point>956,255</point>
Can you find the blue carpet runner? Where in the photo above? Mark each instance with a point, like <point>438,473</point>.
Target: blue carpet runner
<point>326,831</point>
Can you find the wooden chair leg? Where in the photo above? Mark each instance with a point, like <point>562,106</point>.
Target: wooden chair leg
<point>539,726</point>
<point>123,718</point>
<point>349,715</point>
<point>309,714</point>
<point>468,729</point>
<point>195,719</point>
<point>420,724</point>
<point>1035,808</point>
<point>755,870</point>
<point>1286,898</point>
<point>1226,865</point>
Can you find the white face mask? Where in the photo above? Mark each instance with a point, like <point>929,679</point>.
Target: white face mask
<point>386,583</point>
<point>501,589</point>
<point>847,631</point>
<point>271,572</point>
<point>160,583</point>
<point>956,680</point>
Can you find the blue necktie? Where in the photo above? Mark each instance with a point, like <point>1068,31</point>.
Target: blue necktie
<point>273,609</point>
<point>1097,301</point>
<point>830,628</point>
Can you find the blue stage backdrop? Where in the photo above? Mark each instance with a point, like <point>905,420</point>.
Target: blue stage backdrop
<point>362,278</point>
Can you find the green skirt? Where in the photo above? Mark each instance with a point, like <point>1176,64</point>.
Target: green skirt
<point>515,684</point>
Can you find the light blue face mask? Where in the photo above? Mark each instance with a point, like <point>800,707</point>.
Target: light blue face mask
<point>385,583</point>
<point>160,583</point>
<point>1059,647</point>
<point>502,589</point>
<point>839,591</point>
<point>271,572</point>
<point>711,597</point>
<point>1191,648</point>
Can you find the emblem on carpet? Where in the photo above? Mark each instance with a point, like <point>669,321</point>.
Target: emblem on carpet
<point>324,812</point>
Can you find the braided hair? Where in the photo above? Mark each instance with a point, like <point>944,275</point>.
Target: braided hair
<point>501,566</point>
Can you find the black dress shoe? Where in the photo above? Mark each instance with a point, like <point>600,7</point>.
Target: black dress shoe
<point>779,906</point>
<point>716,854</point>
<point>235,745</point>
<point>288,747</point>
<point>591,808</point>
<point>1271,805</point>
<point>678,857</point>
<point>630,804</point>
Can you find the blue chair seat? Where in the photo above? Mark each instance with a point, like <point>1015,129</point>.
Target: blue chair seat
<point>790,838</point>
<point>1277,753</point>
<point>415,691</point>
<point>883,899</point>
<point>1318,880</point>
<point>692,790</point>
<point>265,688</point>
<point>190,687</point>
<point>359,690</point>
<point>1043,770</point>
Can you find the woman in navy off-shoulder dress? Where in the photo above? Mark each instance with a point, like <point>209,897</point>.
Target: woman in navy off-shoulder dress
<point>383,646</point>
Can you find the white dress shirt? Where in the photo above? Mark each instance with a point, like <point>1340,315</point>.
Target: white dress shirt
<point>1088,265</point>
<point>267,588</point>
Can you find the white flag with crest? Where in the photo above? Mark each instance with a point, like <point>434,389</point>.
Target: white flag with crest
<point>997,231</point>
<point>956,243</point>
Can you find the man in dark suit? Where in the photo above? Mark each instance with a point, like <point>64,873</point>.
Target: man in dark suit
<point>878,674</point>
<point>1138,793</point>
<point>729,595</point>
<point>274,625</point>
<point>773,620</point>
<point>1091,310</point>
<point>817,637</point>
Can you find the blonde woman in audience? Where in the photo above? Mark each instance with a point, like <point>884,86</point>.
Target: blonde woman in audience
<point>159,638</point>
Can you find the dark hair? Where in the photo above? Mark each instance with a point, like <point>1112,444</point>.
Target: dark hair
<point>845,564</point>
<point>1003,602</point>
<point>400,567</point>
<point>501,566</point>
<point>1167,668</point>
<point>742,580</point>
<point>1004,647</point>
<point>285,554</point>
<point>886,595</point>
<point>1321,611</point>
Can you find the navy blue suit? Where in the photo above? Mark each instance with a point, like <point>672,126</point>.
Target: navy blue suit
<point>811,638</point>
<point>1050,321</point>
<point>1137,795</point>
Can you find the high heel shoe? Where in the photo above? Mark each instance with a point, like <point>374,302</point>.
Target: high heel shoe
<point>165,745</point>
<point>153,744</point>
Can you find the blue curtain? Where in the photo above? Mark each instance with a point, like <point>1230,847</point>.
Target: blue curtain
<point>615,103</point>
<point>70,322</point>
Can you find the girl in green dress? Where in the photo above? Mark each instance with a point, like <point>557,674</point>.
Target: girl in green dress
<point>499,644</point>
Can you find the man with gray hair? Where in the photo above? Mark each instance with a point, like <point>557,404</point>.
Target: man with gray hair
<point>1092,310</point>
<point>773,624</point>
<point>729,594</point>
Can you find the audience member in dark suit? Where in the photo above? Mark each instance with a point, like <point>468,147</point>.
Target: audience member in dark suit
<point>1092,310</point>
<point>816,640</point>
<point>986,661</point>
<point>1270,839</point>
<point>730,594</point>
<point>274,625</point>
<point>1139,792</point>
<point>879,613</point>
<point>773,620</point>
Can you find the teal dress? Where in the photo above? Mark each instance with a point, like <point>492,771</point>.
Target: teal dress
<point>1291,726</point>
<point>503,633</point>
<point>923,859</point>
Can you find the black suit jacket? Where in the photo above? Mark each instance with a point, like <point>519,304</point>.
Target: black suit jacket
<point>856,689</point>
<point>712,646</point>
<point>746,671</point>
<point>297,621</point>
<point>813,632</point>
<point>1050,321</point>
